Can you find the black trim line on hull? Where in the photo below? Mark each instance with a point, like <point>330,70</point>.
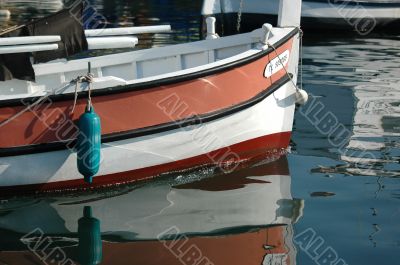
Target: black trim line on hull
<point>153,83</point>
<point>195,120</point>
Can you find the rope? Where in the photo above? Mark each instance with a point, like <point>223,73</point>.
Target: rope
<point>286,71</point>
<point>90,75</point>
<point>239,18</point>
<point>86,78</point>
<point>80,79</point>
<point>27,108</point>
<point>12,28</point>
<point>301,57</point>
<point>2,123</point>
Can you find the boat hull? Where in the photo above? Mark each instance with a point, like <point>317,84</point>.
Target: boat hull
<point>220,116</point>
<point>262,128</point>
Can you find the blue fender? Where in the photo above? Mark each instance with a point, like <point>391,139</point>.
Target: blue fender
<point>89,144</point>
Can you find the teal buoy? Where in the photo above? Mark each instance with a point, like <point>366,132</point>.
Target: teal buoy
<point>89,144</point>
<point>90,246</point>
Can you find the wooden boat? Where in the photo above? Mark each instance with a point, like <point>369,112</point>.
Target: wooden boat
<point>248,220</point>
<point>217,101</point>
<point>362,16</point>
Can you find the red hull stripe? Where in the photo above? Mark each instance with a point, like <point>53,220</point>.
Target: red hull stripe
<point>245,150</point>
<point>54,146</point>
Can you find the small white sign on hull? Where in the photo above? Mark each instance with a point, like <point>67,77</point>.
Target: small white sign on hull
<point>277,64</point>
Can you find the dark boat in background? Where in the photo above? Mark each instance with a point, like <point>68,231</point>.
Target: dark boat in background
<point>361,16</point>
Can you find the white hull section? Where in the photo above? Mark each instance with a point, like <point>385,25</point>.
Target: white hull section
<point>272,115</point>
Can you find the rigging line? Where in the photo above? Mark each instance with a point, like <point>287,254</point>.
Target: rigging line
<point>301,57</point>
<point>239,16</point>
<point>12,28</point>
<point>301,63</point>
<point>87,78</point>
<point>284,67</point>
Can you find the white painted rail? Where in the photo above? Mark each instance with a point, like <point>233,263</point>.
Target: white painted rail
<point>29,40</point>
<point>93,43</point>
<point>111,42</point>
<point>27,48</point>
<point>97,39</point>
<point>127,31</point>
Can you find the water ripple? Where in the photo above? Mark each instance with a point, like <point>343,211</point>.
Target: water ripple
<point>358,81</point>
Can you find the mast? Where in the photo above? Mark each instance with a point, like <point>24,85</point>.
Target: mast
<point>289,13</point>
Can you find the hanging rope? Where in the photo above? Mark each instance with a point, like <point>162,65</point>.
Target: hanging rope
<point>86,78</point>
<point>301,58</point>
<point>301,63</point>
<point>239,16</point>
<point>301,95</point>
<point>30,107</point>
<point>280,61</point>
<point>12,28</point>
<point>80,79</point>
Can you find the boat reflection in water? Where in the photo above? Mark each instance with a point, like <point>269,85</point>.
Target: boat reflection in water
<point>364,100</point>
<point>244,217</point>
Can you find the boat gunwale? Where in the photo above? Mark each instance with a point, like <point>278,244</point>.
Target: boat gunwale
<point>152,83</point>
